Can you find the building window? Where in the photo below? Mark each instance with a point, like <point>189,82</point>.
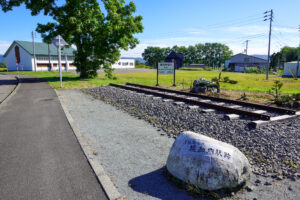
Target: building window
<point>125,64</point>
<point>42,58</point>
<point>71,58</point>
<point>131,64</point>
<point>17,54</point>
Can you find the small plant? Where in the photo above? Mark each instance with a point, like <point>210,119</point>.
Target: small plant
<point>275,90</point>
<point>244,97</point>
<point>217,80</point>
<point>293,73</point>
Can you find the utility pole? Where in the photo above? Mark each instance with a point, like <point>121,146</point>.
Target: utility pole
<point>49,67</point>
<point>247,47</point>
<point>297,70</point>
<point>59,60</point>
<point>246,52</point>
<point>33,46</point>
<point>269,16</point>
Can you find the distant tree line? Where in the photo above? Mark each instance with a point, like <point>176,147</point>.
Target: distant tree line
<point>210,54</point>
<point>2,64</point>
<point>286,54</point>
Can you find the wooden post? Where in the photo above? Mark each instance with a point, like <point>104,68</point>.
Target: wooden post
<point>174,72</point>
<point>157,74</point>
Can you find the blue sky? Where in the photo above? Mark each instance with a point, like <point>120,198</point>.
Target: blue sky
<point>188,22</point>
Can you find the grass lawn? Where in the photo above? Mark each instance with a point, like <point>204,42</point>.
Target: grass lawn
<point>246,82</point>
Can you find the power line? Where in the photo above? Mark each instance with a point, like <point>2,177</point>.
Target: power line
<point>241,23</point>
<point>235,20</point>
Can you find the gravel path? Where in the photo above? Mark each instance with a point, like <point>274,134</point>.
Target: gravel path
<point>273,150</point>
<point>133,151</point>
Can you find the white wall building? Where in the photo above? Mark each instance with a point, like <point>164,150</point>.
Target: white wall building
<point>19,56</point>
<point>124,64</point>
<point>290,69</point>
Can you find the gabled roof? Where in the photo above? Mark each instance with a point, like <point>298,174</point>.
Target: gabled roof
<point>174,55</point>
<point>256,57</point>
<point>40,48</point>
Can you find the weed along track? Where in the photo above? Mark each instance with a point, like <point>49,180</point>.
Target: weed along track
<point>233,109</point>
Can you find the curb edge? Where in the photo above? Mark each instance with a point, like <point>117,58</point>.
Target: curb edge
<point>12,93</point>
<point>109,188</point>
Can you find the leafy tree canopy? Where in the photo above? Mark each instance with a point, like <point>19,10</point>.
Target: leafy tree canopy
<point>98,36</point>
<point>212,54</point>
<point>289,53</point>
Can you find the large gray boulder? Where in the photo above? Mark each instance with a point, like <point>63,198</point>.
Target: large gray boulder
<point>207,163</point>
<point>202,86</point>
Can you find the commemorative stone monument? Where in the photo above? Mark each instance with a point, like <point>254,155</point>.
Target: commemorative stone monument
<point>207,163</point>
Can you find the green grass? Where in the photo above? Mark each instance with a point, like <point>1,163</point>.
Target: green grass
<point>246,82</point>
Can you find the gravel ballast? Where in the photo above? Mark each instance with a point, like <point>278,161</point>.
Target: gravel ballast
<point>133,153</point>
<point>273,150</point>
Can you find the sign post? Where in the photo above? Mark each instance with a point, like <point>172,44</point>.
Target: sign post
<point>157,74</point>
<point>59,42</point>
<point>165,68</point>
<point>174,72</point>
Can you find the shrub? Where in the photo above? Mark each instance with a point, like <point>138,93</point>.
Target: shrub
<point>3,65</point>
<point>226,79</point>
<point>202,84</point>
<point>140,66</point>
<point>296,96</point>
<point>255,70</point>
<point>233,81</point>
<point>212,85</point>
<point>215,79</point>
<point>191,69</point>
<point>284,99</point>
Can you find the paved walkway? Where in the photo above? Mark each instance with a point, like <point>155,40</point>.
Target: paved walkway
<point>40,157</point>
<point>7,85</point>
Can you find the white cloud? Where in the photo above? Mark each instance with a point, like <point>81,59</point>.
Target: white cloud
<point>4,46</point>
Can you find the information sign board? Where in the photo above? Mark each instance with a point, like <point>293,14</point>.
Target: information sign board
<point>165,68</point>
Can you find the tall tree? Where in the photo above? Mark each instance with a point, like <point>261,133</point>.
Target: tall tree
<point>153,55</point>
<point>98,36</point>
<point>211,54</point>
<point>289,53</point>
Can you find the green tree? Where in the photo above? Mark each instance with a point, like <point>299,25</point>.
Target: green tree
<point>275,60</point>
<point>2,64</point>
<point>289,53</point>
<point>98,36</point>
<point>212,54</point>
<point>153,55</point>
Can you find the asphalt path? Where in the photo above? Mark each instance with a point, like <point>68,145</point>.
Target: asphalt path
<point>40,157</point>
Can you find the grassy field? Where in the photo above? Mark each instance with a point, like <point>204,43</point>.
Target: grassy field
<point>246,82</point>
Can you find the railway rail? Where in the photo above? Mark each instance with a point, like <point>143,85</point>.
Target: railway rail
<point>234,108</point>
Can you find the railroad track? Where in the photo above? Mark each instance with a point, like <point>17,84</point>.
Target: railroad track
<point>234,109</point>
